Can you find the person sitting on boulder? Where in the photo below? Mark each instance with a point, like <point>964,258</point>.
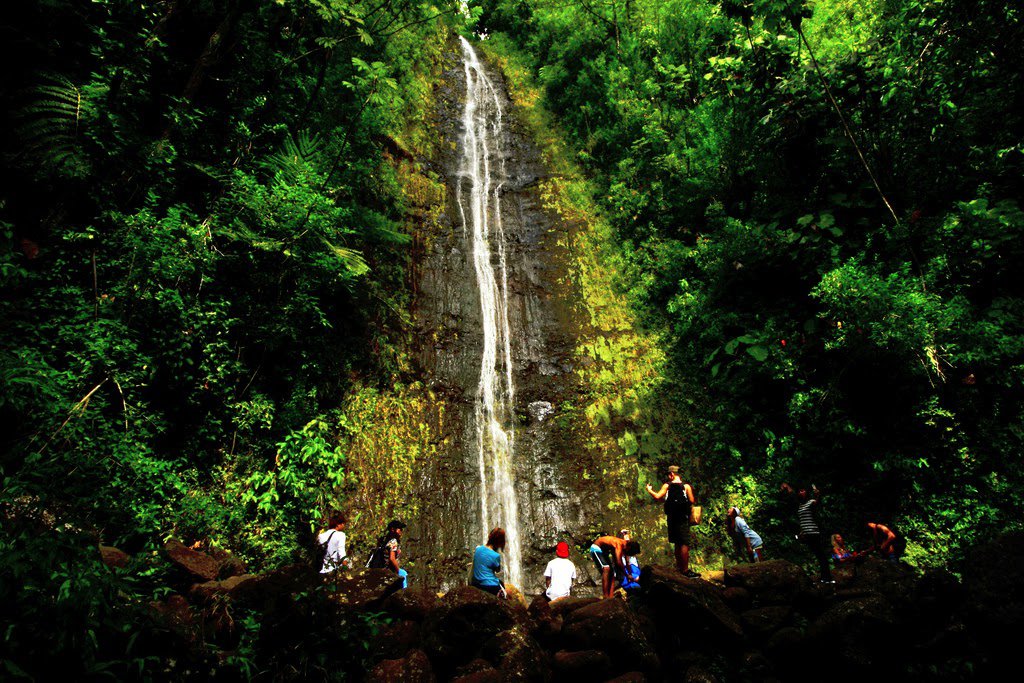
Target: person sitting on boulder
<point>840,553</point>
<point>810,533</point>
<point>388,551</point>
<point>743,536</point>
<point>631,567</point>
<point>332,542</point>
<point>607,553</point>
<point>487,563</point>
<point>883,542</point>
<point>559,574</point>
<point>679,501</point>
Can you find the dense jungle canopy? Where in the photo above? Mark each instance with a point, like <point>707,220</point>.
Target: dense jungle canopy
<point>213,215</point>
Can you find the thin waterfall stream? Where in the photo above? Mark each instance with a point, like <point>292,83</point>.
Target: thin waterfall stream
<point>480,211</point>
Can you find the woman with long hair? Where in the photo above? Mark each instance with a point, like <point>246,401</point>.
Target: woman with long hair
<point>487,563</point>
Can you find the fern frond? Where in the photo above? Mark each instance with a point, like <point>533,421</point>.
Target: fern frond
<point>351,260</point>
<point>299,155</point>
<point>49,124</point>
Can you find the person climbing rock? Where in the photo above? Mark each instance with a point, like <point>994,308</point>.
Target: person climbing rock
<point>840,553</point>
<point>332,543</point>
<point>631,567</point>
<point>883,542</point>
<point>608,554</point>
<point>487,564</point>
<point>807,503</point>
<point>559,574</point>
<point>388,552</point>
<point>745,538</point>
<point>679,500</point>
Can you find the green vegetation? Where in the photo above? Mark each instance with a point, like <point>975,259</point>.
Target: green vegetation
<point>790,232</point>
<point>816,206</point>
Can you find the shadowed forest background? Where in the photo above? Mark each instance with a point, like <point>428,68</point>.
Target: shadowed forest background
<point>212,212</point>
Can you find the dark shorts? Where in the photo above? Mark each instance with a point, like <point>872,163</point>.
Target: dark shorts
<point>601,557</point>
<point>679,530</point>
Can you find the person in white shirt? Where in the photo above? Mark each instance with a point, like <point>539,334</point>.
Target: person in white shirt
<point>333,542</point>
<point>560,573</point>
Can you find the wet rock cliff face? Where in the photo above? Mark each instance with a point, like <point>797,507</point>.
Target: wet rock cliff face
<point>552,505</point>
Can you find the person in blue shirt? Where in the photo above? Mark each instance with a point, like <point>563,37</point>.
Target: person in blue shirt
<point>487,564</point>
<point>745,538</point>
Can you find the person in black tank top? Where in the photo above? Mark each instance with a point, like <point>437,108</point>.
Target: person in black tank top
<point>678,497</point>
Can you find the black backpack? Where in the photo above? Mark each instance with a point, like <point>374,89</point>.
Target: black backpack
<point>377,557</point>
<point>320,551</point>
<point>676,501</point>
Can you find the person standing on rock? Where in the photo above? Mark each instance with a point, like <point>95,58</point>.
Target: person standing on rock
<point>559,574</point>
<point>609,554</point>
<point>744,537</point>
<point>679,500</point>
<point>332,541</point>
<point>487,564</point>
<point>810,533</point>
<point>388,553</point>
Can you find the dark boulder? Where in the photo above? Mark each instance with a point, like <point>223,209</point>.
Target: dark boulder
<point>547,625</point>
<point>859,635</point>
<point>610,626</point>
<point>697,604</point>
<point>994,596</point>
<point>629,677</point>
<point>196,564</point>
<point>762,622</point>
<point>410,604</point>
<point>582,665</point>
<point>204,593</point>
<point>413,668</point>
<point>894,581</point>
<point>282,582</point>
<point>517,656</point>
<point>737,599</point>
<point>564,606</point>
<point>773,582</point>
<point>466,618</point>
<point>113,557</point>
<point>396,640</point>
<point>365,588</point>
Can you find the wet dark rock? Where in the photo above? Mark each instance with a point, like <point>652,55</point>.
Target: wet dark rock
<point>178,616</point>
<point>610,626</point>
<point>762,622</point>
<point>629,677</point>
<point>696,603</point>
<point>410,604</point>
<point>738,599</point>
<point>363,589</point>
<point>455,631</point>
<point>547,625</point>
<point>395,641</point>
<point>785,645</point>
<point>230,565</point>
<point>197,564</point>
<point>204,593</point>
<point>566,606</point>
<point>770,582</point>
<point>287,580</point>
<point>994,596</point>
<point>895,581</point>
<point>113,557</point>
<point>413,668</point>
<point>698,674</point>
<point>486,676</point>
<point>857,634</point>
<point>517,656</point>
<point>476,666</point>
<point>583,665</point>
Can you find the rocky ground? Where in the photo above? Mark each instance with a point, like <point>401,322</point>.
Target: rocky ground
<point>762,622</point>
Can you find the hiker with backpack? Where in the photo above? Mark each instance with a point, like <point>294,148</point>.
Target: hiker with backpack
<point>807,503</point>
<point>388,551</point>
<point>743,536</point>
<point>331,545</point>
<point>679,500</point>
<point>609,554</point>
<point>487,564</point>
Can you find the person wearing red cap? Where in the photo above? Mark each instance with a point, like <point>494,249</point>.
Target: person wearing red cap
<point>560,573</point>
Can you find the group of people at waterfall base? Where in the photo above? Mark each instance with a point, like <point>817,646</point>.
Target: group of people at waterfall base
<point>615,556</point>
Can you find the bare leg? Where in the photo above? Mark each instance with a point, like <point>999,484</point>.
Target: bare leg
<point>606,582</point>
<point>682,558</point>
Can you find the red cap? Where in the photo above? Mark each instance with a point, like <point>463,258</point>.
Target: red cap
<point>562,549</point>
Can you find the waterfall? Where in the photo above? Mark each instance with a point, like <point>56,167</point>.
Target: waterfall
<point>481,222</point>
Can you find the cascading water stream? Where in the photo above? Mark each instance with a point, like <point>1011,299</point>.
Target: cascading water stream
<point>481,221</point>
